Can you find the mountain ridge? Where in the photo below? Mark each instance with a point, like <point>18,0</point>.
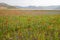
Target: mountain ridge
<point>54,7</point>
<point>6,6</point>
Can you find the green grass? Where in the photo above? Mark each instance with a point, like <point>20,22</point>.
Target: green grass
<point>45,27</point>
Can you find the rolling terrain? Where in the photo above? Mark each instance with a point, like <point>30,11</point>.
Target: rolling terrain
<point>17,24</point>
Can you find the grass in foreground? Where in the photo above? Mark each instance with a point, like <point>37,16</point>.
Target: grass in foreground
<point>30,27</point>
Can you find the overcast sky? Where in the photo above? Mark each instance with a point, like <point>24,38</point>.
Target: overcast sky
<point>31,2</point>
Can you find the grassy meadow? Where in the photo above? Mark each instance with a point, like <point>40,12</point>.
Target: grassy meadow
<point>19,26</point>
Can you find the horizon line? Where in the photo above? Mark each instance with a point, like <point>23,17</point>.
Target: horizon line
<point>29,5</point>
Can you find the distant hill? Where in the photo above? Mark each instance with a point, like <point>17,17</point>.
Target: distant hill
<point>57,7</point>
<point>6,6</point>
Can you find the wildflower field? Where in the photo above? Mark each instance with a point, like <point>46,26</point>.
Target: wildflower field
<point>29,25</point>
<point>45,27</point>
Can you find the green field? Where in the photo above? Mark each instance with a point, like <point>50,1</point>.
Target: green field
<point>45,27</point>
